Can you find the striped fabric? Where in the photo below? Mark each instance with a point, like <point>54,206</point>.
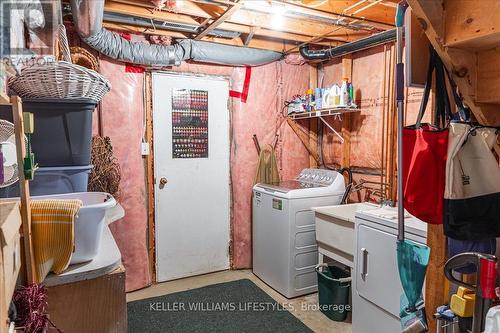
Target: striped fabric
<point>53,234</point>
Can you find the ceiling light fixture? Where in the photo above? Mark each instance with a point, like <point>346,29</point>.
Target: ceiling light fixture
<point>278,10</point>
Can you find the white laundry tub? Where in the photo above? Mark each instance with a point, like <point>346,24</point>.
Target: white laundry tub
<point>335,230</point>
<point>89,222</point>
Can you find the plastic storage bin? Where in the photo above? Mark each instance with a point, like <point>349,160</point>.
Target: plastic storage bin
<point>334,285</point>
<point>63,131</point>
<point>53,180</point>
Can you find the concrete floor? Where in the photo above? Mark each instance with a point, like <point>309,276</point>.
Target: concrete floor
<point>313,318</point>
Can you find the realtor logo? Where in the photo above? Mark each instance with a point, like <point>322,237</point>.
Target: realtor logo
<point>27,23</point>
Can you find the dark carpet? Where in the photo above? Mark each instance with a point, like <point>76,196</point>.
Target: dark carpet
<point>237,306</point>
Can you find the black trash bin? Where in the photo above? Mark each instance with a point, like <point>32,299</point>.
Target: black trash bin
<point>334,286</point>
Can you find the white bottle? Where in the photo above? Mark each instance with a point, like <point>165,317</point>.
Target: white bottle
<point>333,96</point>
<point>344,94</point>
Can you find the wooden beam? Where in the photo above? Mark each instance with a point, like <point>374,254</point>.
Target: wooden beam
<point>257,43</point>
<point>488,76</point>
<point>218,21</point>
<point>472,24</point>
<point>17,112</point>
<point>150,180</point>
<point>346,118</point>
<point>304,138</point>
<point>249,37</point>
<point>140,29</point>
<point>143,12</point>
<point>460,62</point>
<point>378,17</point>
<point>354,5</point>
<point>314,123</point>
<point>4,98</point>
<point>242,19</point>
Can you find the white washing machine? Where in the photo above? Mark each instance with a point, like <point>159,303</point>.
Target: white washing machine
<point>376,289</point>
<point>284,240</point>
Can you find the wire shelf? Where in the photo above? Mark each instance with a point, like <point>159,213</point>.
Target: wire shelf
<point>323,113</point>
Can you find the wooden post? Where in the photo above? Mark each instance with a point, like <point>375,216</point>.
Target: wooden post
<point>150,176</point>
<point>17,112</point>
<point>314,122</point>
<point>346,118</point>
<point>304,138</point>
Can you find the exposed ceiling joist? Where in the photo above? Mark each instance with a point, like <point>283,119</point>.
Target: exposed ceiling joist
<point>371,4</point>
<point>376,22</point>
<point>354,5</point>
<point>218,21</point>
<point>251,23</point>
<point>244,17</point>
<point>126,9</point>
<point>258,43</point>
<point>249,37</point>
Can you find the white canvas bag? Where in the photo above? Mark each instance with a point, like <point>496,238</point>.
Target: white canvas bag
<point>472,189</point>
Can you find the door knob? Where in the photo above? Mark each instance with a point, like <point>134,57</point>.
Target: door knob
<point>163,181</point>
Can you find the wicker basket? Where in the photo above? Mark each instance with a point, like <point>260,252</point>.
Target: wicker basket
<point>82,57</point>
<point>60,79</point>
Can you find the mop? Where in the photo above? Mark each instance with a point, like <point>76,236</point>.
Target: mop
<point>413,258</point>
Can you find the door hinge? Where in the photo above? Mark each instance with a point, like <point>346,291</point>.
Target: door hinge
<point>230,248</point>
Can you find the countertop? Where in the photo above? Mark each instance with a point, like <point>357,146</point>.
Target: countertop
<point>108,259</point>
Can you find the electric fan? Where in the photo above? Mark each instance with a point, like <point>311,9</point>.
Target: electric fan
<point>8,151</point>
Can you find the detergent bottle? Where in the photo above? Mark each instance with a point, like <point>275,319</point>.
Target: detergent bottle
<point>344,93</point>
<point>331,98</point>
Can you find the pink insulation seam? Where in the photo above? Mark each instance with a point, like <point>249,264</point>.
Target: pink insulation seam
<point>122,116</point>
<point>262,115</point>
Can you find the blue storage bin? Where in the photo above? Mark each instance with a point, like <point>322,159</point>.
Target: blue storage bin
<point>54,180</point>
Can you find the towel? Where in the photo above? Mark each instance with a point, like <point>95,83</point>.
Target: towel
<point>53,234</point>
<point>267,169</point>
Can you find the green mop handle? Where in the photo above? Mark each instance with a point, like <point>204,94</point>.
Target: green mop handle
<point>400,19</point>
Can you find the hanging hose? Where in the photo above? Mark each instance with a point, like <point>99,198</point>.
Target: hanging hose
<point>349,185</point>
<point>349,182</point>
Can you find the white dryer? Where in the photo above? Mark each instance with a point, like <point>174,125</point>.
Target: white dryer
<point>376,289</point>
<point>284,240</point>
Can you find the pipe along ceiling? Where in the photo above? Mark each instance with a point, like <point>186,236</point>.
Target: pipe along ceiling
<point>88,18</point>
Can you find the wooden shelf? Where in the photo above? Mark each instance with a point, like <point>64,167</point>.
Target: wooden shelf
<point>4,99</point>
<point>472,25</point>
<point>323,113</point>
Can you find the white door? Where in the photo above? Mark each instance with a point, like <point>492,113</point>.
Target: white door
<point>191,154</point>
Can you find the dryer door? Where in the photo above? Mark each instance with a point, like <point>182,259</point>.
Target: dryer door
<point>377,279</point>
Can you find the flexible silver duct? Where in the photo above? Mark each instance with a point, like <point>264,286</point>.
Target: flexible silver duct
<point>88,17</point>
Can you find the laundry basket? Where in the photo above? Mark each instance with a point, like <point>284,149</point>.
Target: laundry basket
<point>334,285</point>
<point>60,79</point>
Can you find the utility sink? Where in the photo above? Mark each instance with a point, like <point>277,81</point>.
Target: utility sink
<point>335,230</point>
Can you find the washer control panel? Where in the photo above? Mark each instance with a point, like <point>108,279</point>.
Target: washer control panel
<point>317,176</point>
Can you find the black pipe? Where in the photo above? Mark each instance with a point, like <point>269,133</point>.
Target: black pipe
<point>362,44</point>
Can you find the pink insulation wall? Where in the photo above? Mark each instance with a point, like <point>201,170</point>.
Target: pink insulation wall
<point>122,121</point>
<point>367,127</point>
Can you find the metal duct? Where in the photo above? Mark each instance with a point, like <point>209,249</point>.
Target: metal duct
<point>88,17</point>
<point>362,44</point>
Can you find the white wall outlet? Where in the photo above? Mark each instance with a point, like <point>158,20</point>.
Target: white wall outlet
<point>144,148</point>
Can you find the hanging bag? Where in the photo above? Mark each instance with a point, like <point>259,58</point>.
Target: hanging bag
<point>472,194</point>
<point>424,152</point>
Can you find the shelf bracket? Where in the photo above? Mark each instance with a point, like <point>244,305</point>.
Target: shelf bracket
<point>332,129</point>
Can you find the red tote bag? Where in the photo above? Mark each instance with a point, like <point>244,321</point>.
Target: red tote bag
<point>424,153</point>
